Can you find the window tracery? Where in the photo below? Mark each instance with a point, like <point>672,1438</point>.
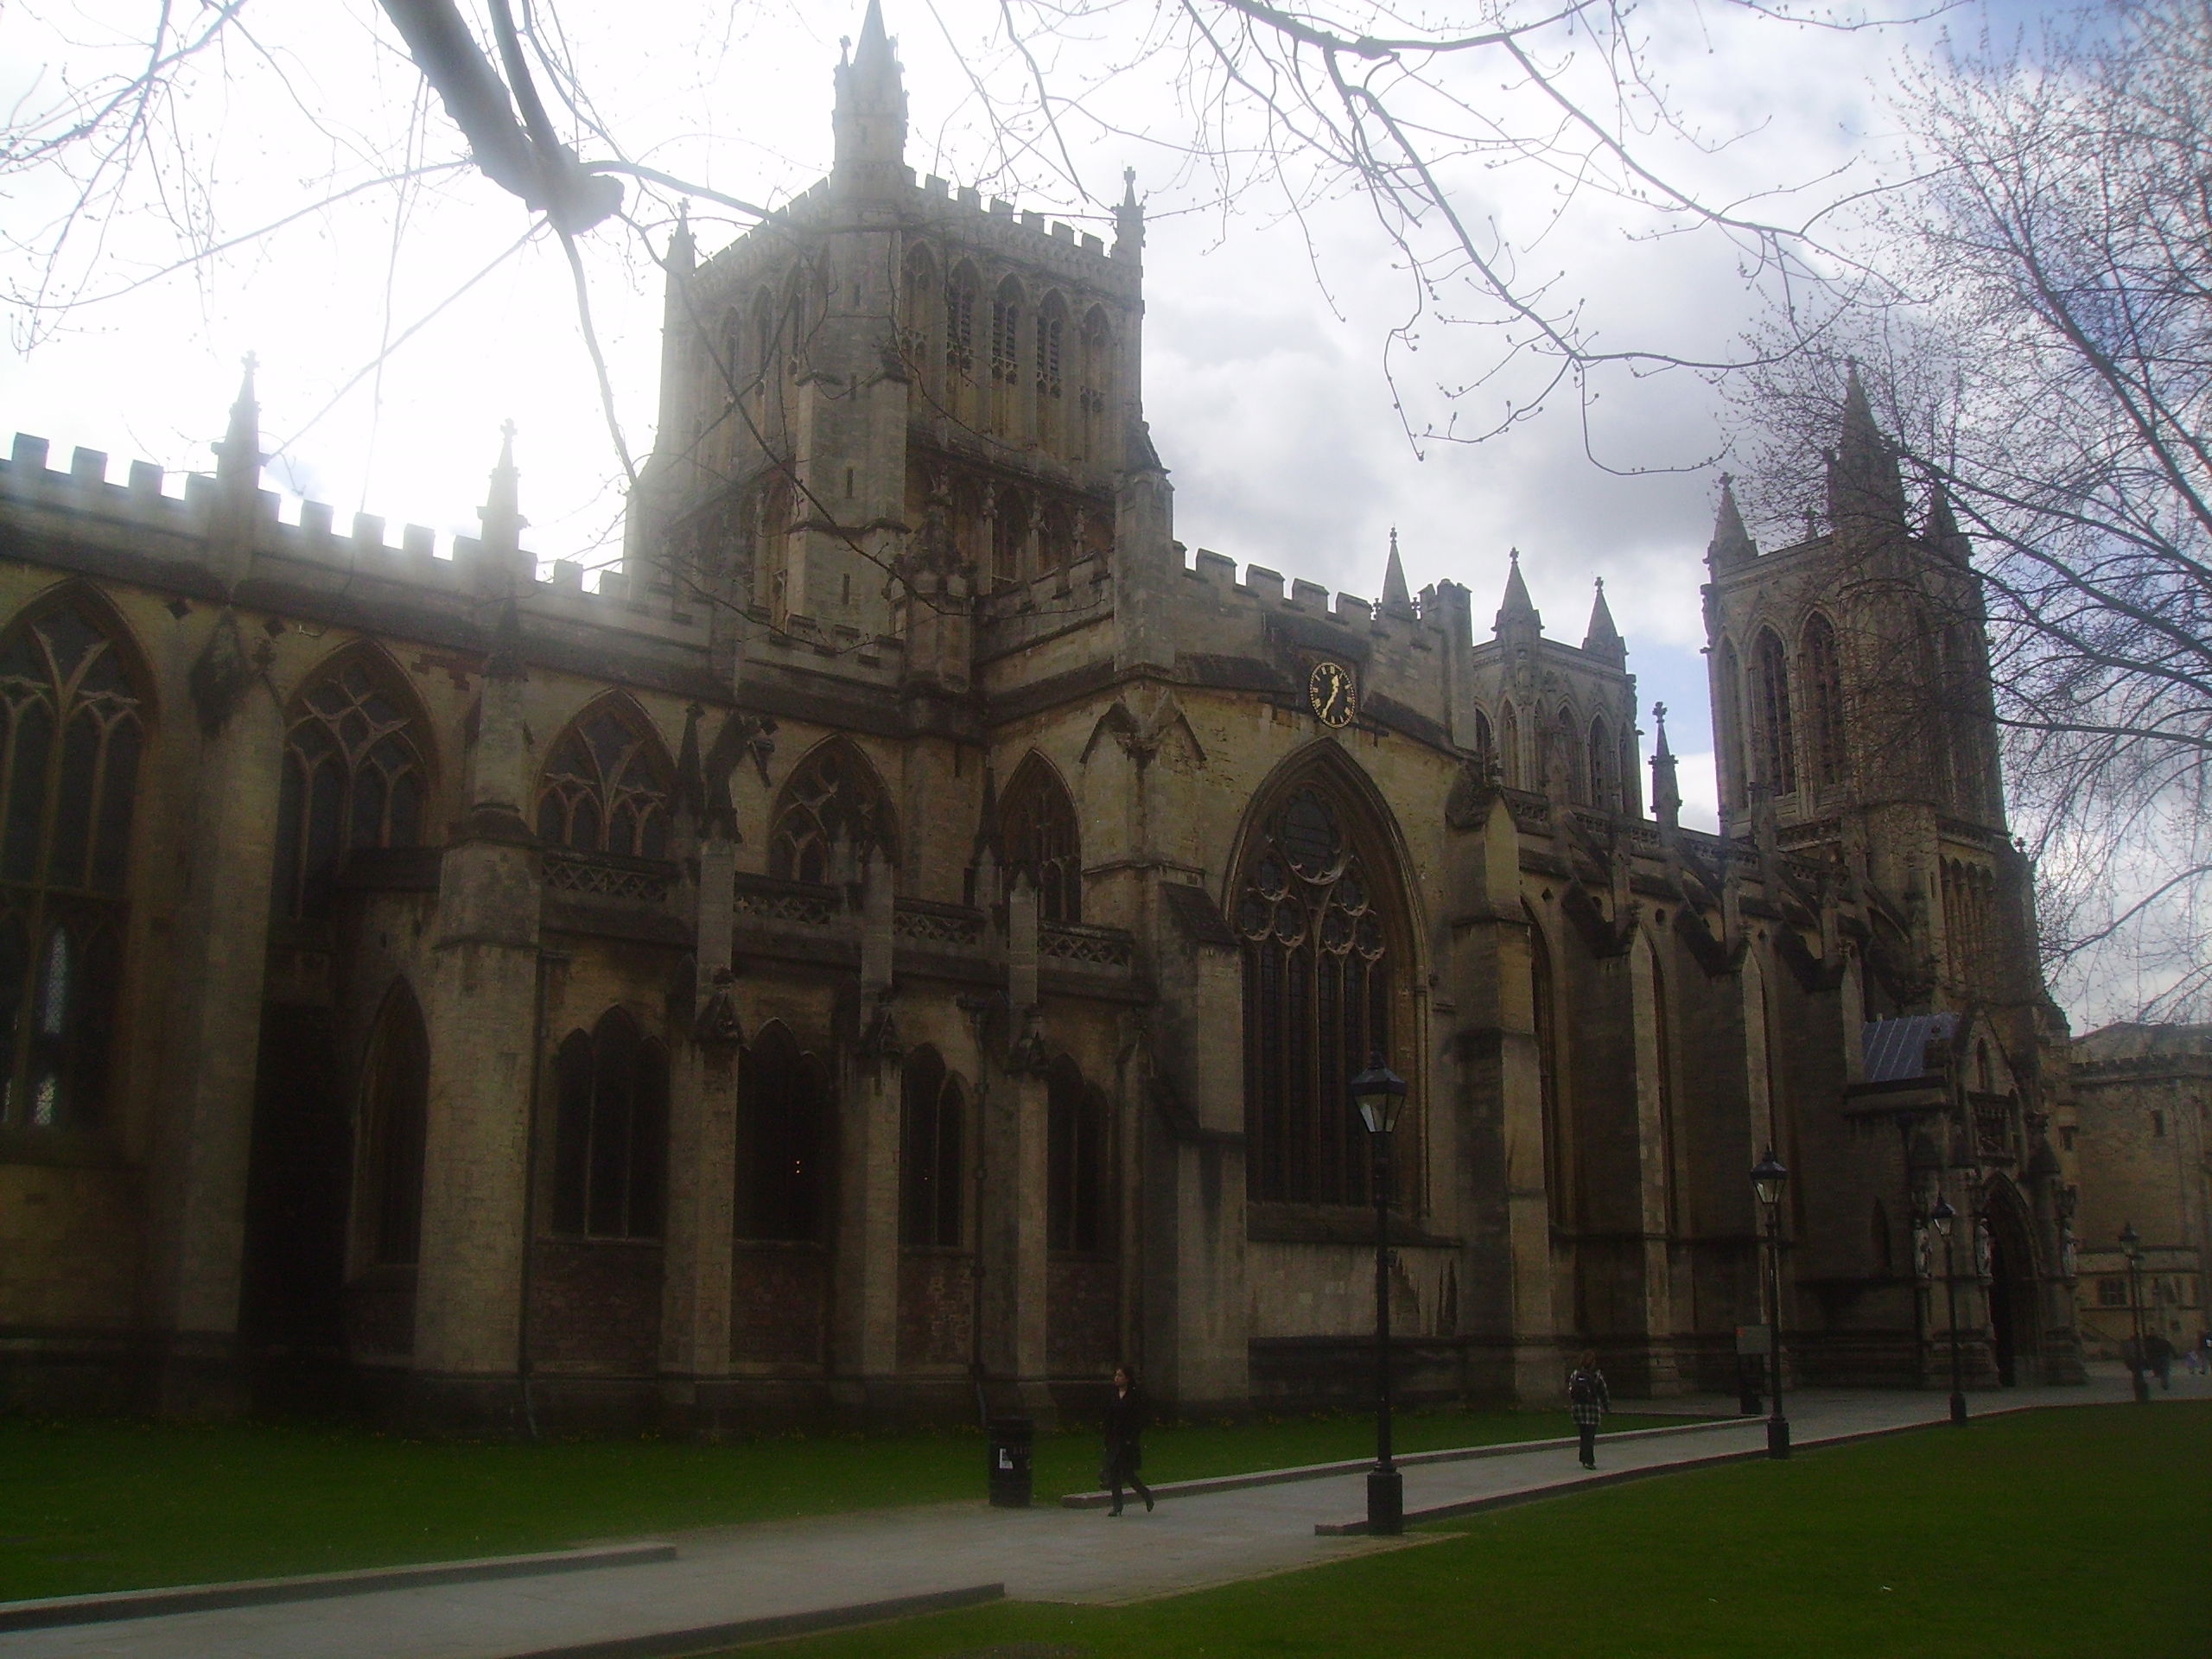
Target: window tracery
<point>75,731</point>
<point>606,789</point>
<point>1777,735</point>
<point>1318,983</point>
<point>1038,831</point>
<point>833,803</point>
<point>1824,698</point>
<point>354,777</point>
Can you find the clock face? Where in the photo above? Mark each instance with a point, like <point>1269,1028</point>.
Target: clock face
<point>1329,690</point>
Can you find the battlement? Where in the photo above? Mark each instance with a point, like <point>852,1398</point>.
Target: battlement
<point>1263,591</point>
<point>312,541</point>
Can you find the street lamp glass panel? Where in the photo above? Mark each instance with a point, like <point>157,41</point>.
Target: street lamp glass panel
<point>1942,1215</point>
<point>1768,1178</point>
<point>1381,1092</point>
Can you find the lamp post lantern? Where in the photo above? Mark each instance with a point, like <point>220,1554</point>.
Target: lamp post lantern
<point>1768,1178</point>
<point>1381,1094</point>
<point>2131,1242</point>
<point>1942,1215</point>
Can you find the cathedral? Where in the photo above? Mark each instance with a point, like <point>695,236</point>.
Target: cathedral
<point>904,938</point>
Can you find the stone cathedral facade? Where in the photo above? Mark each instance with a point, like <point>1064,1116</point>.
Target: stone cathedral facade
<point>908,932</point>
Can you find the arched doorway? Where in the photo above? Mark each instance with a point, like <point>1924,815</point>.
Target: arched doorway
<point>2009,1275</point>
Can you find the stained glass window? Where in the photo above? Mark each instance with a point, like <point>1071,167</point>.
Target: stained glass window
<point>353,776</point>
<point>1317,994</point>
<point>74,731</point>
<point>610,1144</point>
<point>606,789</point>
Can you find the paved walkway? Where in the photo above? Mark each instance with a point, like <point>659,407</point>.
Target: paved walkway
<point>781,1569</point>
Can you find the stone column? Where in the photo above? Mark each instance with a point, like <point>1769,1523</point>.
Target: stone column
<point>482,1013</point>
<point>214,1025</point>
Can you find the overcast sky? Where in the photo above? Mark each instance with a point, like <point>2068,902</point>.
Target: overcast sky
<point>1280,413</point>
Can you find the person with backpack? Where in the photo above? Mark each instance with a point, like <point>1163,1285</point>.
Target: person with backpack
<point>1589,1400</point>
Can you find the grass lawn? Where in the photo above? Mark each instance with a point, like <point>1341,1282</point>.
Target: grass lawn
<point>2078,1533</point>
<point>87,1505</point>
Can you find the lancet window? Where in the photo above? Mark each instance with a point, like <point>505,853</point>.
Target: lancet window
<point>1508,747</point>
<point>75,729</point>
<point>960,326</point>
<point>1097,351</point>
<point>1037,828</point>
<point>785,1143</point>
<point>832,810</point>
<point>1052,335</point>
<point>610,1142</point>
<point>1316,913</point>
<point>1777,735</point>
<point>1006,356</point>
<point>1823,698</point>
<point>1077,1157</point>
<point>931,1121</point>
<point>606,789</point>
<point>396,1109</point>
<point>354,777</point>
<point>1604,791</point>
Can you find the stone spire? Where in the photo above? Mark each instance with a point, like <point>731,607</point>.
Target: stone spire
<point>1866,491</point>
<point>1604,640</point>
<point>238,456</point>
<point>870,121</point>
<point>1128,221</point>
<point>1397,598</point>
<point>1943,531</point>
<point>1517,612</point>
<point>500,545</point>
<point>1666,787</point>
<point>682,249</point>
<point>1732,544</point>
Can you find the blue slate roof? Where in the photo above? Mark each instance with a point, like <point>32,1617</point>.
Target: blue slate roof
<point>1898,1049</point>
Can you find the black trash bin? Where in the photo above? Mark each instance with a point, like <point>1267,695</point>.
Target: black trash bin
<point>1011,1438</point>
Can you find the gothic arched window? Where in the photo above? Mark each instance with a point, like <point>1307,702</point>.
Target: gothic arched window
<point>1824,698</point>
<point>1565,758</point>
<point>786,1140</point>
<point>1009,536</point>
<point>959,331</point>
<point>605,787</point>
<point>1735,751</point>
<point>1316,912</point>
<point>918,313</point>
<point>1077,1162</point>
<point>1777,733</point>
<point>1051,337</point>
<point>1094,381</point>
<point>1485,741</point>
<point>931,1119</point>
<point>1005,359</point>
<point>1604,791</point>
<point>1508,747</point>
<point>354,777</point>
<point>68,785</point>
<point>395,1110</point>
<point>833,800</point>
<point>610,1137</point>
<point>1037,828</point>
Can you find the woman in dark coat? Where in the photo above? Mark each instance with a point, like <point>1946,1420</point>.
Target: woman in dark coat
<point>1125,1438</point>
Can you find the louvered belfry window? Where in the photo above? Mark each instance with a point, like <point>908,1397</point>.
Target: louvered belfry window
<point>1318,990</point>
<point>68,780</point>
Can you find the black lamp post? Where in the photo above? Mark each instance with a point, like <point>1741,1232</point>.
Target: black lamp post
<point>1768,1178</point>
<point>1381,1093</point>
<point>1942,1215</point>
<point>2131,1242</point>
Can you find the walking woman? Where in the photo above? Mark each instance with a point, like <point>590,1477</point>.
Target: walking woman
<point>1125,1438</point>
<point>1588,1399</point>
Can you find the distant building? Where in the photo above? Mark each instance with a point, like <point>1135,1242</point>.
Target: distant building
<point>2142,1094</point>
<point>910,930</point>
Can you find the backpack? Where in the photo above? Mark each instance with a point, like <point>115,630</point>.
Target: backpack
<point>1581,1390</point>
